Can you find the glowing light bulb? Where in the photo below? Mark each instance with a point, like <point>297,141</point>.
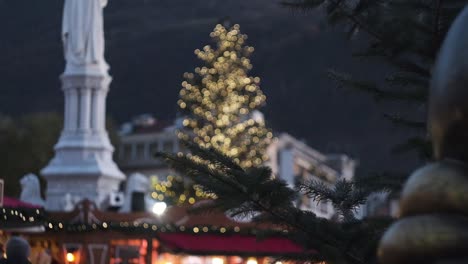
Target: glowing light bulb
<point>252,261</point>
<point>216,260</point>
<point>70,257</point>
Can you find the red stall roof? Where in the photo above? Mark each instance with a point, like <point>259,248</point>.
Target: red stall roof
<point>236,244</point>
<point>9,202</point>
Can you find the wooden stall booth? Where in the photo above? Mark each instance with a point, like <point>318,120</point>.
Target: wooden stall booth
<point>89,236</point>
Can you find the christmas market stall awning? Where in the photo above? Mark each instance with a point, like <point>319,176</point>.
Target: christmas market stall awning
<point>9,202</point>
<point>234,244</point>
<point>215,233</point>
<point>177,231</point>
<point>18,216</point>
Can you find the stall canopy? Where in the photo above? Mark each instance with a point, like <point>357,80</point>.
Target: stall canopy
<point>208,235</point>
<point>18,216</point>
<point>236,245</point>
<point>9,202</point>
<point>177,230</point>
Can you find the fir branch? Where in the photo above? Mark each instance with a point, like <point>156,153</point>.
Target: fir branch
<point>404,79</point>
<point>421,145</point>
<point>398,120</point>
<point>410,66</point>
<point>344,80</point>
<point>406,34</point>
<point>345,196</point>
<point>390,182</point>
<point>345,12</point>
<point>247,191</point>
<point>348,196</point>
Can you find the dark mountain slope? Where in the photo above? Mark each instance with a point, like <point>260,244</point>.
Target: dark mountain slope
<point>150,44</point>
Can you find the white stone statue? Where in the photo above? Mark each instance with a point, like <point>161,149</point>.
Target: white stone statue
<point>136,182</point>
<point>83,36</point>
<point>31,190</point>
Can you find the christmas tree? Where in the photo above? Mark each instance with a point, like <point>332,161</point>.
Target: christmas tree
<point>220,100</point>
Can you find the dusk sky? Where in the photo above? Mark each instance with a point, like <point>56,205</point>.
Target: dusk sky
<point>150,45</point>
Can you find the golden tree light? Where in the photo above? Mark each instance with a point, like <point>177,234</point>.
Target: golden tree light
<point>219,97</point>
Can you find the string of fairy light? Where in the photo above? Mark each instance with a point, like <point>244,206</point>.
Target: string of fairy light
<point>10,215</point>
<point>219,98</point>
<point>136,227</point>
<point>39,217</point>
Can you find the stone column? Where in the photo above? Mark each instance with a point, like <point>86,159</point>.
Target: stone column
<point>94,110</point>
<point>102,110</point>
<point>67,111</point>
<point>72,109</point>
<point>85,109</point>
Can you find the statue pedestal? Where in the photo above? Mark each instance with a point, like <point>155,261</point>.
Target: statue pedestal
<point>83,165</point>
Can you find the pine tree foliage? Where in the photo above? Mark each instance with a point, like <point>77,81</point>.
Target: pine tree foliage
<point>346,196</point>
<point>219,99</point>
<point>404,34</point>
<point>255,192</point>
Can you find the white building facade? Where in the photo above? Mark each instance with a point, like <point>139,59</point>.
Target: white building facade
<point>141,140</point>
<point>294,161</point>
